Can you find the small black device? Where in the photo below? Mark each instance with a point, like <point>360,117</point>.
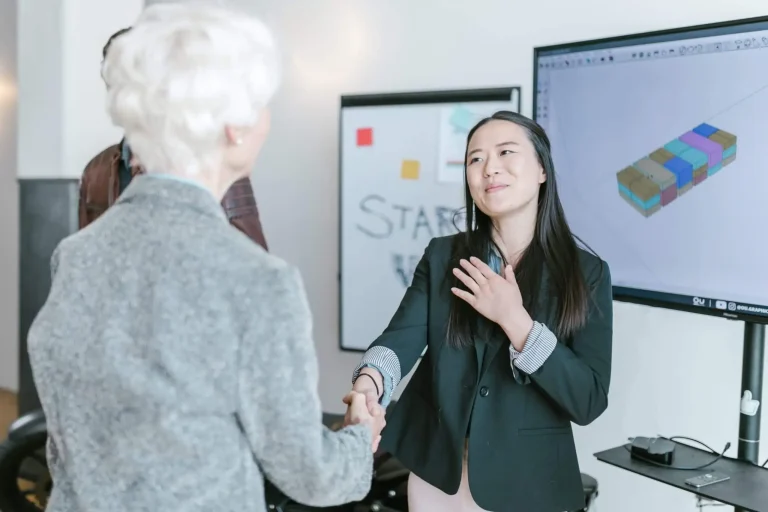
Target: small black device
<point>653,449</point>
<point>707,479</point>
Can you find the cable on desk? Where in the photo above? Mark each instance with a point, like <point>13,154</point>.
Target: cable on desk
<point>765,463</point>
<point>679,468</point>
<point>702,503</point>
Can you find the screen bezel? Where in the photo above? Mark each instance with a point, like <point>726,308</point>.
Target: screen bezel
<point>655,298</point>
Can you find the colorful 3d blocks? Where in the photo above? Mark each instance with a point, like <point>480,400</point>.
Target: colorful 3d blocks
<point>670,171</point>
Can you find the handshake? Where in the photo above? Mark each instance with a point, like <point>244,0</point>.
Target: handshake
<point>363,408</point>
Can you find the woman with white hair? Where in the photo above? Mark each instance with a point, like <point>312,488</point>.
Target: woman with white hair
<point>174,357</point>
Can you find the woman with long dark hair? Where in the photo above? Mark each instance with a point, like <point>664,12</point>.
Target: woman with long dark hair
<point>516,320</point>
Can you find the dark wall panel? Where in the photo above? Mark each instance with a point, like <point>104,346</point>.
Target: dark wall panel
<point>47,214</point>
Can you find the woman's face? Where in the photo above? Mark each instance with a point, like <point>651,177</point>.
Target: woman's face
<point>503,171</point>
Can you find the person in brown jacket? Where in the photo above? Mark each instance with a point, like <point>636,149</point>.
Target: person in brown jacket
<point>108,174</point>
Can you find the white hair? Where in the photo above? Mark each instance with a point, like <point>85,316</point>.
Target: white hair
<point>182,74</point>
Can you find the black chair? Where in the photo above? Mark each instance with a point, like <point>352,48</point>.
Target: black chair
<point>589,484</point>
<point>388,492</point>
<point>25,482</point>
<point>388,489</point>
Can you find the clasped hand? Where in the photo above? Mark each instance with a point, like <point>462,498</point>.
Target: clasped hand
<point>364,409</point>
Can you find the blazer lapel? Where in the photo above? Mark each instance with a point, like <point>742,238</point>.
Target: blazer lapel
<point>481,354</point>
<point>496,341</point>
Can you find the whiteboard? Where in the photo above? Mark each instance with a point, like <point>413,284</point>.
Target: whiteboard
<point>401,184</point>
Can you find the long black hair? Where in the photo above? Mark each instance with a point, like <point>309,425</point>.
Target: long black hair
<point>553,248</point>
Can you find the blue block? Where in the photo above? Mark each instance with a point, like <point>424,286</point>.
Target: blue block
<point>712,170</point>
<point>647,205</point>
<point>705,130</point>
<point>677,147</point>
<point>682,169</point>
<point>729,152</point>
<point>694,157</point>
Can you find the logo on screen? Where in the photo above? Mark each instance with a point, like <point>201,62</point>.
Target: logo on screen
<point>732,306</point>
<point>720,304</point>
<point>698,301</point>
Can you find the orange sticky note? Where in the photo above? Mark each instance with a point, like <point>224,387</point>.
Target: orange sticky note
<point>410,170</point>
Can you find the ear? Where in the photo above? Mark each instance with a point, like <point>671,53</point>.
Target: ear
<point>233,135</point>
<point>542,175</point>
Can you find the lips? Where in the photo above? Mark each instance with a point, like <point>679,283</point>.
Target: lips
<point>495,188</point>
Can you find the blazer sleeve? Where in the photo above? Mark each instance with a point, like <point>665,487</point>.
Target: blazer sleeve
<point>395,352</point>
<point>577,377</point>
<point>82,206</point>
<point>239,203</point>
<point>95,185</point>
<point>279,407</point>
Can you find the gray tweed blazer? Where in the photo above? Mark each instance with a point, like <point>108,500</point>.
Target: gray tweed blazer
<point>175,363</point>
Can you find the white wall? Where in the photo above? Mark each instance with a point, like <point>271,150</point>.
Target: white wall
<point>9,205</point>
<point>88,128</point>
<point>40,121</point>
<point>351,46</point>
<point>61,95</point>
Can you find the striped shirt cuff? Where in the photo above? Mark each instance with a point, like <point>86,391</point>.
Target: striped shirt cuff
<point>538,347</point>
<point>387,363</point>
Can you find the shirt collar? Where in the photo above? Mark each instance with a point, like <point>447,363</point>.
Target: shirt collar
<point>125,153</point>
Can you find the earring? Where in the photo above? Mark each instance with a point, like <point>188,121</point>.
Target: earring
<point>239,142</point>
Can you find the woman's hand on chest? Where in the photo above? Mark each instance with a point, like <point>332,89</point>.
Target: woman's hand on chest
<point>495,297</point>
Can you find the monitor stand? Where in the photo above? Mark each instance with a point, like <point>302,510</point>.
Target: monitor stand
<point>751,383</point>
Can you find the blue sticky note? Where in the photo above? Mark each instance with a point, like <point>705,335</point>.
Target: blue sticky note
<point>462,119</point>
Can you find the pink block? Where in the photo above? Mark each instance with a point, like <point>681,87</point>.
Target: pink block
<point>713,150</point>
<point>668,195</point>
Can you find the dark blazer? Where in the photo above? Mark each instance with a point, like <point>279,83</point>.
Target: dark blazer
<point>521,453</point>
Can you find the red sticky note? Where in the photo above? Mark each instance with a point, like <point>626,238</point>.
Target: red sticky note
<point>365,136</point>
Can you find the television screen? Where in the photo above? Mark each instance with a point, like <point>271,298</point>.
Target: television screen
<point>660,144</point>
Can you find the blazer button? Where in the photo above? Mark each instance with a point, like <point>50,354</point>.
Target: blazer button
<point>484,391</point>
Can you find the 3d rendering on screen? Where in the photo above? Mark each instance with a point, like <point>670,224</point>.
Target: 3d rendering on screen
<point>670,171</point>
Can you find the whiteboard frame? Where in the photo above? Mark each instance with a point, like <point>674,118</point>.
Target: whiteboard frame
<point>491,94</point>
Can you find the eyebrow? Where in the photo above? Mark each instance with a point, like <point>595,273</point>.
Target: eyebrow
<point>507,143</point>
